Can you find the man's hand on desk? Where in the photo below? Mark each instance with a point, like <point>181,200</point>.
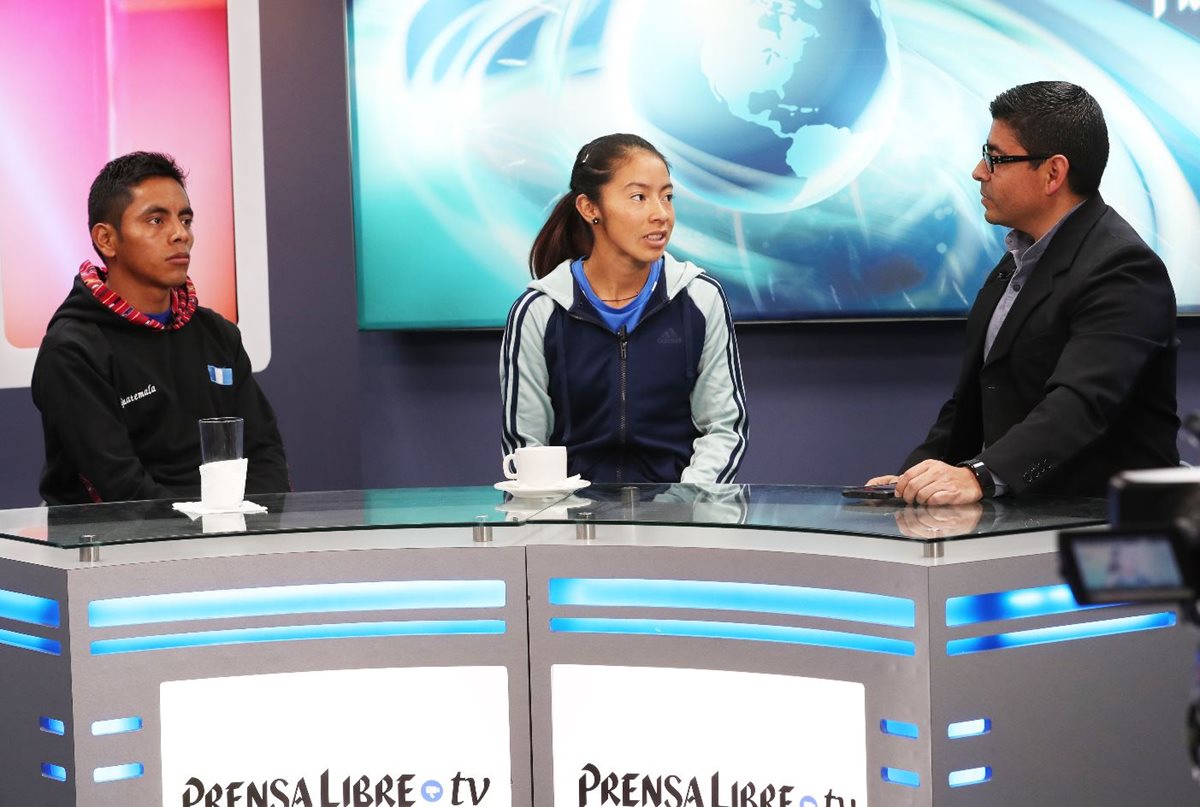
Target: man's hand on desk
<point>934,483</point>
<point>919,521</point>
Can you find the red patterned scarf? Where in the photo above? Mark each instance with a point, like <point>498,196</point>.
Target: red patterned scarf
<point>183,300</point>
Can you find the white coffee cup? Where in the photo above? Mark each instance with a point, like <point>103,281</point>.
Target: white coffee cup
<point>223,484</point>
<point>537,466</point>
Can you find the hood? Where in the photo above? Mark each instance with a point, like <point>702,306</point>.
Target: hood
<point>559,285</point>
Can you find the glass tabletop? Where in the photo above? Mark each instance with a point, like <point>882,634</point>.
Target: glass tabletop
<point>780,507</point>
<point>819,509</point>
<point>156,520</point>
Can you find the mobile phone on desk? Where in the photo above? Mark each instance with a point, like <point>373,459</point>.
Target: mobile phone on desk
<point>887,491</point>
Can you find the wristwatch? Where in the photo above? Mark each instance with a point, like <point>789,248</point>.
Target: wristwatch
<point>987,483</point>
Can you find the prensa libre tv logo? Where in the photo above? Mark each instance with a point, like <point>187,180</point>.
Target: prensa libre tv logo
<point>404,790</point>
<point>671,790</point>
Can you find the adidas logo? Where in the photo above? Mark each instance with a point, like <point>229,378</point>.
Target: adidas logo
<point>669,337</point>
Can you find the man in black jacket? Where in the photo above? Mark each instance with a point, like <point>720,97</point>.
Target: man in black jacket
<point>1069,373</point>
<point>130,362</point>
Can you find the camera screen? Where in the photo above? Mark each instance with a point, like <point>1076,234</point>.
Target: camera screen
<point>1127,563</point>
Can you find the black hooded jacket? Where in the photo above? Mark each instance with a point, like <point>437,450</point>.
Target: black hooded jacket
<point>120,404</point>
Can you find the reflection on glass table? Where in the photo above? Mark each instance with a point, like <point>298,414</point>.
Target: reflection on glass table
<point>820,509</point>
<point>779,507</point>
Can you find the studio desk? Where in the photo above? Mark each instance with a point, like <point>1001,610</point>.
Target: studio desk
<point>723,646</point>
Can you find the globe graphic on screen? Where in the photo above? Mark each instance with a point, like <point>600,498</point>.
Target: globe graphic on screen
<point>763,105</point>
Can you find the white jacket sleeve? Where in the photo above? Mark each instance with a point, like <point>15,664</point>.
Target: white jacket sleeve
<point>527,416</point>
<point>718,399</point>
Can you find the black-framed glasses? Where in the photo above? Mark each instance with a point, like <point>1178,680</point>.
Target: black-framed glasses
<point>991,160</point>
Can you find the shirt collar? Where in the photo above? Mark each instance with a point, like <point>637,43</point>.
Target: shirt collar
<point>1026,251</point>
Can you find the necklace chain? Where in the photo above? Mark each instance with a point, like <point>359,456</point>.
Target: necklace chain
<point>611,299</point>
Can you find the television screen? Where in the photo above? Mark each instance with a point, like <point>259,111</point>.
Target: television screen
<point>821,151</point>
<point>1128,562</point>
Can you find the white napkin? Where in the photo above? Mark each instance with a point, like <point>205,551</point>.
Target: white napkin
<point>194,510</point>
<point>223,522</point>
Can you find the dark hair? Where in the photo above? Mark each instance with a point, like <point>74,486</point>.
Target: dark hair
<point>565,235</point>
<point>1057,117</point>
<point>112,189</point>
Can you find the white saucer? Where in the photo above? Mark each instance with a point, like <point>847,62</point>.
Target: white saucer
<point>563,488</point>
<point>525,506</point>
<point>517,509</point>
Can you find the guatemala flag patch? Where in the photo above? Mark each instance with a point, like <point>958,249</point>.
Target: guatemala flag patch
<point>221,375</point>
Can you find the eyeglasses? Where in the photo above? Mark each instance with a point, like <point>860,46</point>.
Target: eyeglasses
<point>991,161</point>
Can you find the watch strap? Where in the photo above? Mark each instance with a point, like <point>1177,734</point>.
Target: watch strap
<point>987,482</point>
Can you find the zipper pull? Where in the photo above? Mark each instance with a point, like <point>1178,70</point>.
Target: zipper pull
<point>623,338</point>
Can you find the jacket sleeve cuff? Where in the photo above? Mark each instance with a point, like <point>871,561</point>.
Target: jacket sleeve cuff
<point>988,483</point>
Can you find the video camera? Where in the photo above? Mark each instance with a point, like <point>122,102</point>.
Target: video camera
<point>1152,551</point>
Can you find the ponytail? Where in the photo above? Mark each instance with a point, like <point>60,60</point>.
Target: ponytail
<point>563,237</point>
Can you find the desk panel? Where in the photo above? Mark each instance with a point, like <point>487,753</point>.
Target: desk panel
<point>742,645</point>
<point>281,647</point>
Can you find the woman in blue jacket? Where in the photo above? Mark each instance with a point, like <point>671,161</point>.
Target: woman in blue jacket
<point>616,350</point>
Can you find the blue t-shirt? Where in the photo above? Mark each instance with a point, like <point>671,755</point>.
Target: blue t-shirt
<point>163,319</point>
<point>628,316</point>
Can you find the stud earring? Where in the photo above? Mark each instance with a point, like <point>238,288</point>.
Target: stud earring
<point>596,220</point>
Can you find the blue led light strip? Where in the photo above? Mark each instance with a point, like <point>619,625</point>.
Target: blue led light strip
<point>734,630</point>
<point>52,725</point>
<point>27,642</point>
<point>899,776</point>
<point>1016,604</point>
<point>27,608</point>
<point>56,772</point>
<point>969,728</point>
<point>115,773</point>
<point>828,603</point>
<point>321,598</point>
<point>1060,633</point>
<point>118,725</point>
<point>970,776</point>
<point>898,728</point>
<point>293,633</point>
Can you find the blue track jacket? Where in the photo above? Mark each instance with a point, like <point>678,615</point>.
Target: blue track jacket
<point>662,403</point>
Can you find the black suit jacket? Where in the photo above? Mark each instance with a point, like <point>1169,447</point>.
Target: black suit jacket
<point>1080,381</point>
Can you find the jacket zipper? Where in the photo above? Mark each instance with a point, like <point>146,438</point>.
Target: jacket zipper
<point>623,341</point>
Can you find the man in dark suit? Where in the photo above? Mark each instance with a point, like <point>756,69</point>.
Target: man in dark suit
<point>1069,373</point>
